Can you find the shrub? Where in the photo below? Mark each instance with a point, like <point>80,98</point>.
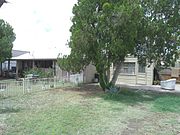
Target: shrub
<point>40,72</point>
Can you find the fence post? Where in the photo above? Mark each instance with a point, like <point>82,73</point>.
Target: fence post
<point>23,85</point>
<point>1,95</point>
<point>54,82</point>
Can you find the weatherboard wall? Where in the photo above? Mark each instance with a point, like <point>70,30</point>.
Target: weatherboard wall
<point>145,78</point>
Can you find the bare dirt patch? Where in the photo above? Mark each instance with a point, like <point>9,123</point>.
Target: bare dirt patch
<point>133,126</point>
<point>2,128</point>
<point>83,90</point>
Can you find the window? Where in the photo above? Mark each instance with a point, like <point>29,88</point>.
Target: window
<point>128,68</point>
<point>141,68</point>
<point>177,65</point>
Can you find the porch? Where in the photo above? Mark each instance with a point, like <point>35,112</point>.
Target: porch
<point>25,65</point>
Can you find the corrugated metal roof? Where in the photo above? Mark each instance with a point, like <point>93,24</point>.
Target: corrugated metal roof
<point>16,53</point>
<point>44,55</point>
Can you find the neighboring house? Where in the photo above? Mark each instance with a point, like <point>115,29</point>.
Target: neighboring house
<point>10,65</point>
<point>134,73</point>
<point>22,61</point>
<point>48,61</point>
<point>29,60</point>
<point>131,73</point>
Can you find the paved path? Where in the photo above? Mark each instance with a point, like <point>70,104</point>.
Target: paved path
<point>151,87</point>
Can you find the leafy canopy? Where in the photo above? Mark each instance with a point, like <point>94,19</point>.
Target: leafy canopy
<point>103,33</point>
<point>158,34</point>
<point>7,37</point>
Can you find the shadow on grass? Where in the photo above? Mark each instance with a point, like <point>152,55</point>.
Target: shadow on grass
<point>128,96</point>
<point>9,110</point>
<point>161,102</point>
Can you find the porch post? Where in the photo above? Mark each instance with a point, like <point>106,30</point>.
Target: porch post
<point>1,68</point>
<point>33,64</point>
<point>17,68</point>
<point>8,66</point>
<point>54,67</point>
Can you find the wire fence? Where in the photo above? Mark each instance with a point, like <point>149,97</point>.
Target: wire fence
<point>26,85</point>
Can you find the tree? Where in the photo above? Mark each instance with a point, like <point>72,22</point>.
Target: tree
<point>2,2</point>
<point>102,33</point>
<point>7,37</point>
<point>106,31</point>
<point>158,35</point>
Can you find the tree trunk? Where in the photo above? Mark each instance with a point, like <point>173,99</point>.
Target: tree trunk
<point>103,78</point>
<point>116,73</point>
<point>0,68</point>
<point>102,81</point>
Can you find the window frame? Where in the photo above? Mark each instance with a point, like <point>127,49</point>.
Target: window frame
<point>141,68</point>
<point>128,68</point>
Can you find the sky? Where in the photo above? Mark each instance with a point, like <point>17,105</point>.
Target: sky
<point>39,25</point>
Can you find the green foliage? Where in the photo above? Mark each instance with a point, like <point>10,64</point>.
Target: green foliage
<point>7,38</point>
<point>158,34</point>
<point>106,31</point>
<point>40,72</point>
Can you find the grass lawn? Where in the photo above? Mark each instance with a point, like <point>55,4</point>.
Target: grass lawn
<point>88,111</point>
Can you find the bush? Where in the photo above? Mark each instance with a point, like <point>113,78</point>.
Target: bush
<point>40,72</point>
